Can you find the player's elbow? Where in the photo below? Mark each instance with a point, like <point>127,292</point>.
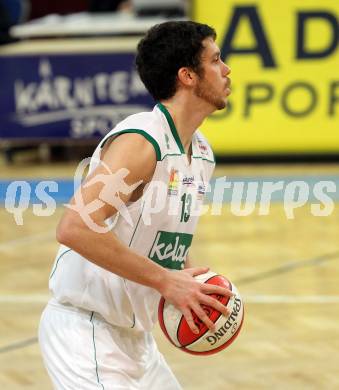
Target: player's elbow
<point>65,231</point>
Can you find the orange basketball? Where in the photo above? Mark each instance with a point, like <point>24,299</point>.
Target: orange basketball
<point>176,329</point>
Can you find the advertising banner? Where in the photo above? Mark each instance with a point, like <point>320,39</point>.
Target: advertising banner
<point>56,96</point>
<point>284,60</point>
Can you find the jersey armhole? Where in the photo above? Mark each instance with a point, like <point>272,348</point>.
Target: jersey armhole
<point>141,132</point>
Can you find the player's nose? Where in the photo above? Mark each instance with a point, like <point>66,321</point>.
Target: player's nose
<point>226,70</point>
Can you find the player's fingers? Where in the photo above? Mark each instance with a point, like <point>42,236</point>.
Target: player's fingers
<point>213,289</point>
<point>189,319</point>
<point>197,270</point>
<point>200,312</point>
<point>215,304</point>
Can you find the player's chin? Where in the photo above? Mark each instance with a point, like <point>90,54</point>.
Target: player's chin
<point>221,104</point>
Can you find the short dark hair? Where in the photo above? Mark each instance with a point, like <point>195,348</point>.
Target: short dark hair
<point>165,49</point>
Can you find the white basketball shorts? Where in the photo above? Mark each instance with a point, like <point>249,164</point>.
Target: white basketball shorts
<point>81,351</point>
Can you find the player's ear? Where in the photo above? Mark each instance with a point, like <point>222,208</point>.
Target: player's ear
<point>187,76</point>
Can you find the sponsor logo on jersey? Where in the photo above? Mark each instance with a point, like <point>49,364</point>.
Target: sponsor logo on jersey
<point>170,249</point>
<point>188,181</point>
<point>202,147</point>
<point>173,183</point>
<point>201,191</point>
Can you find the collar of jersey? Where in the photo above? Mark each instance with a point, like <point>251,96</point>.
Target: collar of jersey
<point>171,125</point>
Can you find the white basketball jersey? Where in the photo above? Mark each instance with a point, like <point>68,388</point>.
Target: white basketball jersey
<point>160,225</point>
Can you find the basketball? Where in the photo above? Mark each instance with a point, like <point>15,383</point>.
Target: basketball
<point>206,342</point>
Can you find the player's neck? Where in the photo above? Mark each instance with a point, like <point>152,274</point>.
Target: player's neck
<point>187,116</point>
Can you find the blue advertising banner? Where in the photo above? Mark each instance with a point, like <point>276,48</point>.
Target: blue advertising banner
<point>68,95</point>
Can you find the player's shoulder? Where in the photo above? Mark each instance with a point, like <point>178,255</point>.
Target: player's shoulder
<point>133,152</point>
<point>141,130</point>
<point>145,121</point>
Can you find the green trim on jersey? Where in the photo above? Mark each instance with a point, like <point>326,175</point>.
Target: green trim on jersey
<point>129,245</point>
<point>141,132</point>
<point>95,352</point>
<point>175,134</point>
<point>136,226</point>
<point>195,157</point>
<point>57,262</point>
<point>171,154</point>
<point>204,159</point>
<point>171,124</point>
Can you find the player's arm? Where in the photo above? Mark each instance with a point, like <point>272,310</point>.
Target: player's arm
<point>188,262</point>
<point>135,153</point>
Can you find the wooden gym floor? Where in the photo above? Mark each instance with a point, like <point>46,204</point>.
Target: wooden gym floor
<point>286,269</point>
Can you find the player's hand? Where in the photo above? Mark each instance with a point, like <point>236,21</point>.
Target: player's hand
<point>187,295</point>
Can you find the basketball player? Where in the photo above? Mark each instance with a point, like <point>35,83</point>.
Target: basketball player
<point>106,284</point>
